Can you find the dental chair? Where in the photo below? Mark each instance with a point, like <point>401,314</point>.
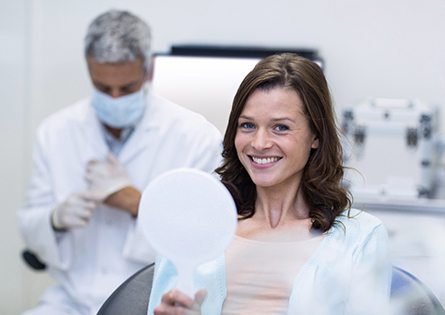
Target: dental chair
<point>131,297</point>
<point>409,296</point>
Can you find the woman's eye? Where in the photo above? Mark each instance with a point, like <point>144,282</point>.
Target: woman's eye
<point>281,128</point>
<point>246,125</point>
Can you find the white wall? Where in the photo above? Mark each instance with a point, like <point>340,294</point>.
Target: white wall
<point>13,97</point>
<point>371,48</point>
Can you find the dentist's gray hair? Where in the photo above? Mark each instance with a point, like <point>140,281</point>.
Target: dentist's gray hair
<point>117,37</point>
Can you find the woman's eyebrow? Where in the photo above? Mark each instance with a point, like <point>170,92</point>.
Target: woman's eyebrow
<point>244,117</point>
<point>282,119</point>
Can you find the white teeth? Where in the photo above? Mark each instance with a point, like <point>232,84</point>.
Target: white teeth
<point>264,160</point>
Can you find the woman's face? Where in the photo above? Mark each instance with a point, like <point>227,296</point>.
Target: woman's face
<point>273,138</point>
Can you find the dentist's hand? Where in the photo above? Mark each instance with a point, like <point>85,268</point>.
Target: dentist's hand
<point>74,212</point>
<point>106,177</point>
<point>108,180</point>
<point>175,302</point>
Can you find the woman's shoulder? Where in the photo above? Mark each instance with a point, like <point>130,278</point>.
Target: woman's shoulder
<point>358,218</point>
<point>355,225</point>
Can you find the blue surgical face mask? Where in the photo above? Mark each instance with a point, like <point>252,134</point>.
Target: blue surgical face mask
<point>120,112</point>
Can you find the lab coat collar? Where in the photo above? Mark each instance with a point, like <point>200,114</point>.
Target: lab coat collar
<point>92,129</point>
<point>147,122</point>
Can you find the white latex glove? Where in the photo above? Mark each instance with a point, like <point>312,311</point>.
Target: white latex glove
<point>76,211</point>
<point>106,177</point>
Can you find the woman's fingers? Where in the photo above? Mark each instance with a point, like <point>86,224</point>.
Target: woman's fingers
<point>177,298</point>
<point>165,309</point>
<point>175,302</point>
<point>200,297</point>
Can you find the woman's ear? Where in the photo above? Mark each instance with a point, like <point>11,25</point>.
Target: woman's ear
<point>315,143</point>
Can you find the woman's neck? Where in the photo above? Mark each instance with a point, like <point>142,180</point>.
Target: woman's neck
<point>280,206</point>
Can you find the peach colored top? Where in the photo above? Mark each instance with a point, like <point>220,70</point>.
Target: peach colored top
<point>260,274</point>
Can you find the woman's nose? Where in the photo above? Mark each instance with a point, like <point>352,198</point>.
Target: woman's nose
<point>261,140</point>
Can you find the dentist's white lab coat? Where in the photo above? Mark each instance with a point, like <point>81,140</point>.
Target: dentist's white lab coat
<point>89,263</point>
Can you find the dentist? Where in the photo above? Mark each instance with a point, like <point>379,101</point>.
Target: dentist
<point>92,159</point>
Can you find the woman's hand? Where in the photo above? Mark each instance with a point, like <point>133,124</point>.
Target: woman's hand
<point>175,302</point>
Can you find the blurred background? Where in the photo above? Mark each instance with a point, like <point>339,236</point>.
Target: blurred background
<point>370,49</point>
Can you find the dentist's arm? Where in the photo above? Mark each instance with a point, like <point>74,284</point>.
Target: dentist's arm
<point>127,199</point>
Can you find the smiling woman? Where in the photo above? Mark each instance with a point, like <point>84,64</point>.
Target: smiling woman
<point>299,247</point>
<point>291,97</point>
<point>274,140</point>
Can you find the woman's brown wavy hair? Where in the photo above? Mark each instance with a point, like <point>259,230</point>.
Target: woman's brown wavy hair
<point>323,173</point>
